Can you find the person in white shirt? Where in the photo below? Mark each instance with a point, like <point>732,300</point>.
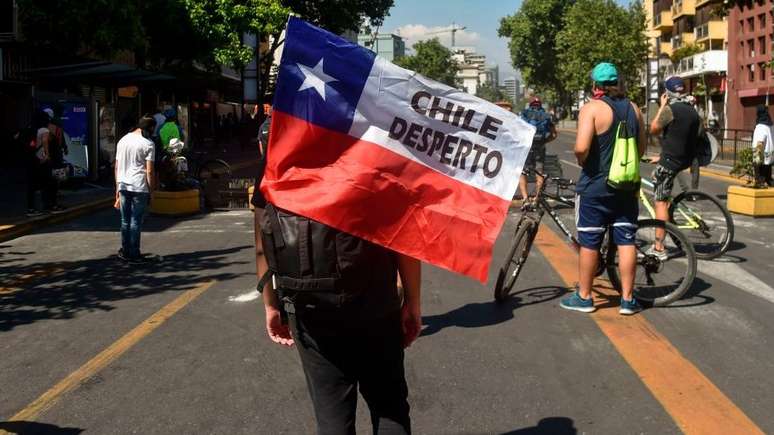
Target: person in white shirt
<point>134,182</point>
<point>763,147</point>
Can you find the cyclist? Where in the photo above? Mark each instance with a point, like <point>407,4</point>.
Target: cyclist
<point>545,131</point>
<point>678,122</point>
<point>599,206</point>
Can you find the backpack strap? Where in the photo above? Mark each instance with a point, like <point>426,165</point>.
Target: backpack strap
<point>617,115</point>
<point>271,213</point>
<point>305,262</point>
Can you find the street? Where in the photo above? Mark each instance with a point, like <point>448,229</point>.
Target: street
<point>93,345</point>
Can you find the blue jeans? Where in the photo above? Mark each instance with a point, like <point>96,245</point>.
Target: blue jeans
<point>133,206</point>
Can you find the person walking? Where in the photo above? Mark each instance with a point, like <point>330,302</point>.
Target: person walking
<point>763,147</point>
<point>134,182</point>
<point>337,300</point>
<point>545,132</point>
<point>678,123</point>
<point>57,149</point>
<point>598,205</point>
<point>36,162</point>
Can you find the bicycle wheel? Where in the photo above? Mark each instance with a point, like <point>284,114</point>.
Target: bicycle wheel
<point>214,176</point>
<point>705,222</point>
<point>517,256</point>
<point>656,281</point>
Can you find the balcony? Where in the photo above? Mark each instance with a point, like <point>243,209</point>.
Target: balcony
<point>700,3</point>
<point>711,30</point>
<point>665,48</point>
<point>708,62</point>
<point>662,21</point>
<point>682,40</point>
<point>683,7</point>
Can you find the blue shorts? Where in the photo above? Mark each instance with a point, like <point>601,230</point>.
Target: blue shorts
<point>594,214</point>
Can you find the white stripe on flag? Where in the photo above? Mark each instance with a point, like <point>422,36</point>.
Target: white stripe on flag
<point>388,94</point>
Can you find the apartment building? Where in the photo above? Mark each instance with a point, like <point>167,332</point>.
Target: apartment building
<point>691,41</point>
<point>750,46</point>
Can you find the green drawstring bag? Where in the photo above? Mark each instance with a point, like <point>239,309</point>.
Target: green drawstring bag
<point>624,172</point>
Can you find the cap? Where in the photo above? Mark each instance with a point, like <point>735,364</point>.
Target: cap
<point>675,84</point>
<point>49,112</point>
<point>535,102</point>
<point>170,113</point>
<point>605,74</point>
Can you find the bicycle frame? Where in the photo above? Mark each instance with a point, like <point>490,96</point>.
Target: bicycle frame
<point>687,213</point>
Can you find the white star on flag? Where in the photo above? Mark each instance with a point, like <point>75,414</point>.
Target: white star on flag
<point>315,78</point>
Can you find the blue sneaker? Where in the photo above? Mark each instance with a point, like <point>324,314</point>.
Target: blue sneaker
<point>576,303</point>
<point>629,307</point>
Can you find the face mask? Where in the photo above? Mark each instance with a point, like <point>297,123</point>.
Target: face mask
<point>597,93</point>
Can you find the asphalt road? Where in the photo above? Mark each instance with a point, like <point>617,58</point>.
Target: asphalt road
<point>90,345</point>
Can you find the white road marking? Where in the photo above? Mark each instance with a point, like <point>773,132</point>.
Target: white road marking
<point>736,276</point>
<point>245,297</point>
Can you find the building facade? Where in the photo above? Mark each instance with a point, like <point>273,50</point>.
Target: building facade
<point>473,70</point>
<point>512,89</point>
<point>386,45</point>
<point>690,40</point>
<point>750,72</point>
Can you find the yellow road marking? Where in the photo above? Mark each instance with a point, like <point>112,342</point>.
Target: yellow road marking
<point>24,279</point>
<point>690,398</point>
<point>722,177</point>
<point>107,356</point>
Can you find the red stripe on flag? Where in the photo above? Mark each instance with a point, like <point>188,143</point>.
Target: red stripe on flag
<point>366,190</point>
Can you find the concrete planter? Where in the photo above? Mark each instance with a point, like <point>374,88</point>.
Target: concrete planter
<point>180,203</point>
<point>751,202</point>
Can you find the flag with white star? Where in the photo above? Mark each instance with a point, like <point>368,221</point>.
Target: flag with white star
<point>387,155</point>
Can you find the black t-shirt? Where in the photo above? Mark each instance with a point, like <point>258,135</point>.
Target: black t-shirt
<point>678,144</point>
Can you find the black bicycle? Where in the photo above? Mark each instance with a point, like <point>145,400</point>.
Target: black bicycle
<point>657,282</point>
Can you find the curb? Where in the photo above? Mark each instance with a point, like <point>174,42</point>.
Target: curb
<point>9,232</point>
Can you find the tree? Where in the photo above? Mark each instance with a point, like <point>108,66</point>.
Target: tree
<point>432,60</point>
<point>533,30</point>
<point>225,21</point>
<point>490,93</point>
<point>602,31</point>
<point>58,27</point>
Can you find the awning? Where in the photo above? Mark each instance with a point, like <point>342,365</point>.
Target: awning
<point>99,72</point>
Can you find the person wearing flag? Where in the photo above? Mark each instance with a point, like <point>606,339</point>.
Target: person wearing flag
<point>369,169</point>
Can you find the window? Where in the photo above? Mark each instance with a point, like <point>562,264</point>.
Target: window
<point>741,27</point>
<point>751,48</point>
<point>762,72</point>
<point>762,21</point>
<point>751,24</point>
<point>751,73</point>
<point>762,44</point>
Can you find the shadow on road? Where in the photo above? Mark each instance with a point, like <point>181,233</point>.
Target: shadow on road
<point>480,314</point>
<point>29,428</point>
<point>62,289</point>
<point>548,426</point>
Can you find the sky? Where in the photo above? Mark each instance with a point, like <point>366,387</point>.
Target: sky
<point>412,19</point>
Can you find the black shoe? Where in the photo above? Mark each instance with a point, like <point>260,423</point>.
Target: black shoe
<point>33,212</point>
<point>57,209</point>
<point>121,255</point>
<point>138,260</point>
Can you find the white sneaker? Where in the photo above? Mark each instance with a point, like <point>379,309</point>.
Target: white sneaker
<point>661,255</point>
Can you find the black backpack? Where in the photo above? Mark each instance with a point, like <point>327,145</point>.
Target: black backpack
<point>316,266</point>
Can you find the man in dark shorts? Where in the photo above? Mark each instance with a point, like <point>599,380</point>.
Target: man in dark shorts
<point>598,205</point>
<point>678,124</point>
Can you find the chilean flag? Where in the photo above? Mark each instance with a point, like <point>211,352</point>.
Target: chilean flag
<point>387,155</point>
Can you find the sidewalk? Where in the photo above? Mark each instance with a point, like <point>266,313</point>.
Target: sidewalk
<point>89,197</point>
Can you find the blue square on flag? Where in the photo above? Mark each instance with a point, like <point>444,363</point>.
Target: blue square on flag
<point>321,76</point>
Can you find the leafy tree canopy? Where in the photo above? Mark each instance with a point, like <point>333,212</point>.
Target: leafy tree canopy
<point>533,31</point>
<point>490,92</point>
<point>432,60</point>
<point>602,31</point>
